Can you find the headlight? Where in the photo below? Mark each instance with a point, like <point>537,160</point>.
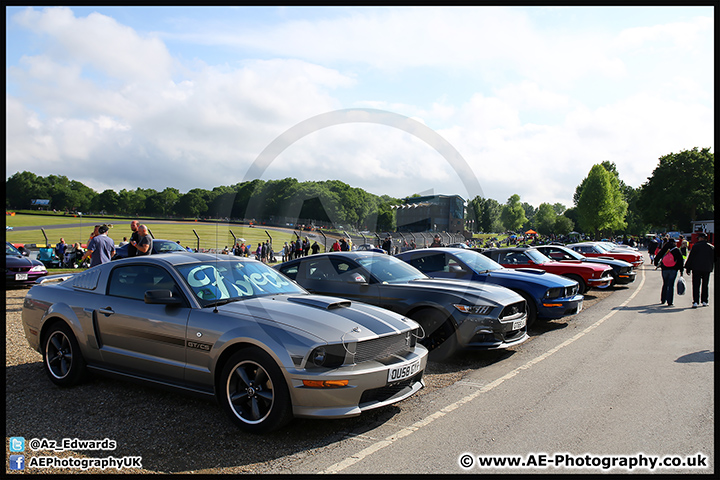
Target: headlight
<point>553,293</point>
<point>474,309</point>
<point>327,356</point>
<point>38,268</point>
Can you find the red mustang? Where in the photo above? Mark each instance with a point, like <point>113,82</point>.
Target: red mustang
<point>587,275</point>
<point>593,249</point>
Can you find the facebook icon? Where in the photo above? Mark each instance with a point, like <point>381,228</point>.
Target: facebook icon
<point>17,462</point>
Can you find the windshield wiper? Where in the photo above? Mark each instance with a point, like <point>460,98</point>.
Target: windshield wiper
<point>224,301</point>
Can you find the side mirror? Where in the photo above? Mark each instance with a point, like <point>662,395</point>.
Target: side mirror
<point>162,297</point>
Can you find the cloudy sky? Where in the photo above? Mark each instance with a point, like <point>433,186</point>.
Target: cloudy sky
<point>528,99</point>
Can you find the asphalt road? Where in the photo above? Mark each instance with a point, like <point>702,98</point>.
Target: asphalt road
<point>626,378</point>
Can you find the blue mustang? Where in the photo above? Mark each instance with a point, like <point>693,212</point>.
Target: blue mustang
<point>547,295</point>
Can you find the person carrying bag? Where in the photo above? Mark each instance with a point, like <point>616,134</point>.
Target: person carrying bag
<point>670,261</point>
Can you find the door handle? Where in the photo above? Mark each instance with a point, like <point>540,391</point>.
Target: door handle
<point>106,311</point>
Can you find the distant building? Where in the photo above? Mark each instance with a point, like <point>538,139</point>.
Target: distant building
<point>441,213</point>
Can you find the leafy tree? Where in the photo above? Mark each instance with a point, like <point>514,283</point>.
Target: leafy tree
<point>530,212</point>
<point>513,213</point>
<point>386,217</point>
<point>107,201</point>
<point>545,219</point>
<point>22,187</point>
<point>474,213</point>
<point>490,220</point>
<point>193,204</point>
<point>600,206</point>
<point>559,208</point>
<point>563,225</point>
<point>681,185</point>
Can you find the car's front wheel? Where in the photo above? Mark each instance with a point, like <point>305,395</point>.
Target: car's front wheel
<point>253,392</point>
<point>440,334</point>
<point>63,362</point>
<point>531,308</point>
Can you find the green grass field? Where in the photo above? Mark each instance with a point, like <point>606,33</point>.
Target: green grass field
<point>78,229</point>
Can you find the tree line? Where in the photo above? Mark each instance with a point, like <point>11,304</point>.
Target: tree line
<point>680,189</point>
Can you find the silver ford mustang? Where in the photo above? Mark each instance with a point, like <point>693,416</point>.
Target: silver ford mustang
<point>229,327</point>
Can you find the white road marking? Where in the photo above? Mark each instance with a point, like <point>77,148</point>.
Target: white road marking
<point>404,432</point>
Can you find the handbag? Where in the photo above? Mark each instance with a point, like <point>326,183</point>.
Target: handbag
<point>681,286</point>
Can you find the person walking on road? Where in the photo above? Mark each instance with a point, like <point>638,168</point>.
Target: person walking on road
<point>700,262</point>
<point>670,261</point>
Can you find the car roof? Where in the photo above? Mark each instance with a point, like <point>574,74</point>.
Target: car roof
<point>180,258</point>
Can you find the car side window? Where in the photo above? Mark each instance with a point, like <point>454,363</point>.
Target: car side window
<point>134,280</point>
<point>321,269</point>
<point>346,271</point>
<point>514,258</point>
<point>291,271</point>
<point>557,254</point>
<point>429,263</point>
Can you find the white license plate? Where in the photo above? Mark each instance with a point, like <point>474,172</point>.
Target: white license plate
<point>21,276</point>
<point>579,309</point>
<point>403,371</point>
<point>518,324</point>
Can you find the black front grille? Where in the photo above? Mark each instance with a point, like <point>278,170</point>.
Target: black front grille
<point>388,391</point>
<point>513,309</point>
<point>571,291</point>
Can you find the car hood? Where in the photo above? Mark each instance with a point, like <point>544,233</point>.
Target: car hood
<point>608,261</point>
<point>532,275</point>
<point>20,261</point>
<point>467,290</point>
<point>327,318</point>
<point>579,264</point>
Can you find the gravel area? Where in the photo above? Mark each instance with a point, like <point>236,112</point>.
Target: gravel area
<point>174,433</point>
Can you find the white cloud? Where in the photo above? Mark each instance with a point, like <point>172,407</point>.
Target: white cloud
<point>537,107</point>
<point>99,42</point>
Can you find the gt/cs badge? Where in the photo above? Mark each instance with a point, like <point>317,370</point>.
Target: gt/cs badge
<point>200,346</point>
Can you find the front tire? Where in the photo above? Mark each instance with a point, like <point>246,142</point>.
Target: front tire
<point>63,362</point>
<point>253,392</point>
<point>531,308</point>
<point>440,334</point>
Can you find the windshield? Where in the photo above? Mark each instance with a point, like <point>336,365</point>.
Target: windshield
<point>166,246</point>
<point>477,261</point>
<point>11,250</point>
<point>572,253</point>
<point>389,269</point>
<point>537,257</point>
<point>603,247</point>
<point>234,280</point>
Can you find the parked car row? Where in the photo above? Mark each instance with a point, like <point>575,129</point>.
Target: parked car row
<point>324,336</point>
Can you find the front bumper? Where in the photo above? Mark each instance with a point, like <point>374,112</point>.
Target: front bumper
<point>625,277</point>
<point>477,331</point>
<point>602,282</point>
<point>368,388</point>
<point>560,307</point>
